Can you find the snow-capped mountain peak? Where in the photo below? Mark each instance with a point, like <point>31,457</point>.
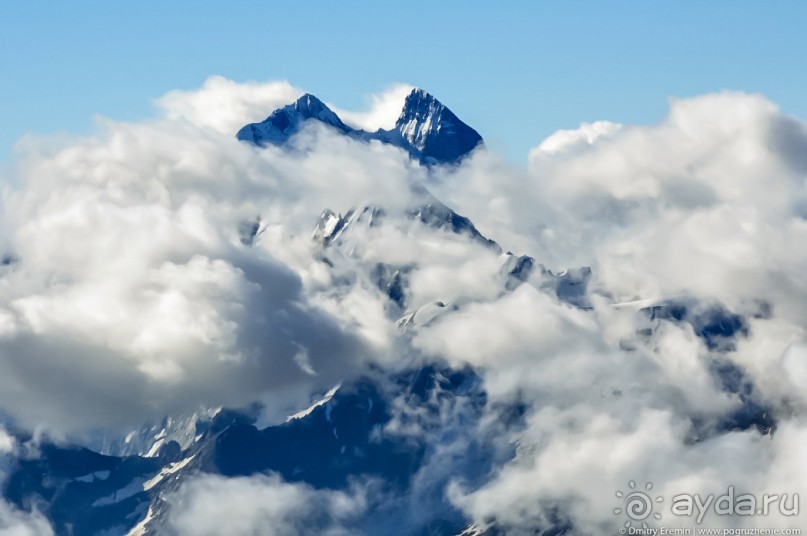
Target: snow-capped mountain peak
<point>420,111</point>
<point>284,122</point>
<point>426,129</point>
<point>433,130</point>
<point>310,107</point>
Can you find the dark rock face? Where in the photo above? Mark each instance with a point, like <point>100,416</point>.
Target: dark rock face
<point>323,449</point>
<point>80,491</point>
<point>343,438</point>
<point>715,325</point>
<point>719,329</point>
<point>284,122</point>
<point>435,214</point>
<point>432,132</point>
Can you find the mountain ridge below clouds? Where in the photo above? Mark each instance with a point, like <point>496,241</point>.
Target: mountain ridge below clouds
<point>394,443</point>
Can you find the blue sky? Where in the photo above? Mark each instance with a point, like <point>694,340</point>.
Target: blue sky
<point>516,71</point>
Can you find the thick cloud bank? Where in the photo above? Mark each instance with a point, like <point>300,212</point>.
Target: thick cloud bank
<point>128,290</point>
<point>161,266</point>
<point>263,505</point>
<point>707,204</point>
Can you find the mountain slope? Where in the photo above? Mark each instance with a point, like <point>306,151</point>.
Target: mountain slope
<point>284,122</point>
<point>343,438</point>
<point>432,131</point>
